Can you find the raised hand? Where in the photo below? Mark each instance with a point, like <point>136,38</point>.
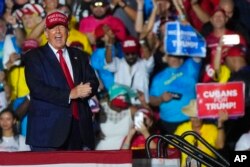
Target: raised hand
<point>223,116</point>
<point>141,2</point>
<point>9,4</point>
<point>194,1</point>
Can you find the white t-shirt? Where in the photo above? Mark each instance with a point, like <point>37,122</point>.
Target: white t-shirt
<point>243,143</point>
<point>9,144</point>
<point>115,128</point>
<point>135,76</point>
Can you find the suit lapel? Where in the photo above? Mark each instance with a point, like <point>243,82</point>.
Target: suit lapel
<point>52,59</point>
<point>57,70</point>
<point>75,63</point>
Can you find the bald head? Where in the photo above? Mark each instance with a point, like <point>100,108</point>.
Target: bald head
<point>228,7</point>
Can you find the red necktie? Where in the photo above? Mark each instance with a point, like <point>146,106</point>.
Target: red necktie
<point>70,82</point>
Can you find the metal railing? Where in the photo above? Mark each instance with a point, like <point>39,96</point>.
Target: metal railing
<point>184,146</point>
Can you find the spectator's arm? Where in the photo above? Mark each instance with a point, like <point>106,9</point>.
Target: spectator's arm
<point>217,60</point>
<point>144,131</point>
<point>22,109</point>
<point>139,16</point>
<point>223,116</point>
<point>127,9</point>
<point>109,39</point>
<point>8,9</point>
<point>146,51</point>
<point>37,31</point>
<point>127,142</point>
<point>152,17</point>
<point>200,13</point>
<point>157,100</point>
<point>108,53</point>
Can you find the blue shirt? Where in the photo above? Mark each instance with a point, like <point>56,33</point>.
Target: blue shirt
<point>180,80</point>
<point>98,59</point>
<point>1,54</point>
<point>2,6</point>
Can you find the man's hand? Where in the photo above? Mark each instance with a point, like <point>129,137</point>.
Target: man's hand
<point>109,37</point>
<point>9,4</point>
<point>194,2</point>
<point>141,97</point>
<point>91,37</point>
<point>80,91</point>
<point>166,96</point>
<point>115,2</point>
<point>223,116</point>
<point>140,2</point>
<point>14,57</point>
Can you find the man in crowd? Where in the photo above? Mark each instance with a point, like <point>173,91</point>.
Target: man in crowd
<point>100,15</point>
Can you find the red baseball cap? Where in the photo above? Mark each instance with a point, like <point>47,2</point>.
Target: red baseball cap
<point>76,44</point>
<point>131,45</point>
<point>218,9</point>
<point>236,51</point>
<point>121,101</point>
<point>56,18</point>
<point>29,44</point>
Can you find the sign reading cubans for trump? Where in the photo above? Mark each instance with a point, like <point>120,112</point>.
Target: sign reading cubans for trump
<point>213,97</point>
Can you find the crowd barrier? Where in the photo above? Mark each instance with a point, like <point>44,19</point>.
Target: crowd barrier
<point>121,158</point>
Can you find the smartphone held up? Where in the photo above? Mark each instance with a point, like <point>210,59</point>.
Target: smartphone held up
<point>232,39</point>
<point>138,119</point>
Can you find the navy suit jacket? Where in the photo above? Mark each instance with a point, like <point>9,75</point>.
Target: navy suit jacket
<point>50,115</point>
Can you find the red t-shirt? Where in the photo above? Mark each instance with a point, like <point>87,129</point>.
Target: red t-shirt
<point>207,5</point>
<point>212,43</point>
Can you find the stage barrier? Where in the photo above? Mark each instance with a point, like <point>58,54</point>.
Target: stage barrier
<point>121,158</point>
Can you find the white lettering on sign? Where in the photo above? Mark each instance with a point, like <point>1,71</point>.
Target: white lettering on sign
<point>129,43</point>
<point>220,93</point>
<point>185,44</point>
<point>182,33</point>
<point>221,106</point>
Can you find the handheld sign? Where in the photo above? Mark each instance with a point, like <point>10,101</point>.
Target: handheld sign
<point>183,40</point>
<point>213,97</point>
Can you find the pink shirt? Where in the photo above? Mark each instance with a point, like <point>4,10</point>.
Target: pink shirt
<point>88,25</point>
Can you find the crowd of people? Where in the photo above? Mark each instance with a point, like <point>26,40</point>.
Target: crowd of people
<point>121,79</point>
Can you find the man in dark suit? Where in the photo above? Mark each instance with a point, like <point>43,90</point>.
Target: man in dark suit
<point>61,81</point>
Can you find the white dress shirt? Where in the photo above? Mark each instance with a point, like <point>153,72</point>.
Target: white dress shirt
<point>66,58</point>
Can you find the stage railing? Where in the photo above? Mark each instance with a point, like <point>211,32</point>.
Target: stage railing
<point>184,146</point>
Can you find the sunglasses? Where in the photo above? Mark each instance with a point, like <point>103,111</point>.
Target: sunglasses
<point>98,4</point>
<point>131,54</point>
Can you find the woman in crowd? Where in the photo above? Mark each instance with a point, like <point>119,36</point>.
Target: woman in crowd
<point>10,139</point>
<point>143,127</point>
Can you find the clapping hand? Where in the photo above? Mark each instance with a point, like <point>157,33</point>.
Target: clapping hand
<point>81,91</point>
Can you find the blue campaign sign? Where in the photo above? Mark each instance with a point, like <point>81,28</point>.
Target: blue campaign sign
<point>183,40</point>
